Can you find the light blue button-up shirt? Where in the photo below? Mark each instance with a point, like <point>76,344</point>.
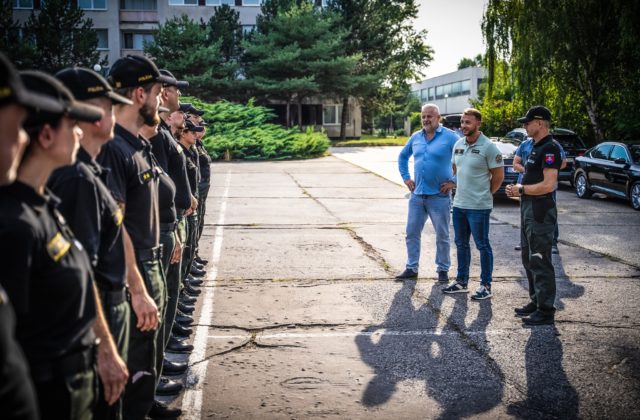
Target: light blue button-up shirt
<point>431,160</point>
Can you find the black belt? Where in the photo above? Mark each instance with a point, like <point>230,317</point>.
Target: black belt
<point>168,227</point>
<point>536,197</point>
<point>112,297</point>
<point>149,254</point>
<point>69,364</point>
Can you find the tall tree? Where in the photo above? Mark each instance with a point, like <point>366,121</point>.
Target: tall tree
<point>470,62</point>
<point>297,52</point>
<point>58,36</point>
<point>181,45</point>
<point>584,49</point>
<point>224,26</point>
<point>383,34</point>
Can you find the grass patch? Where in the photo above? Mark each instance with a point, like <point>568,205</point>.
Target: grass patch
<point>368,140</point>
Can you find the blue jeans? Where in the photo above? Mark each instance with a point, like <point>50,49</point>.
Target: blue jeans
<point>436,207</point>
<point>467,222</point>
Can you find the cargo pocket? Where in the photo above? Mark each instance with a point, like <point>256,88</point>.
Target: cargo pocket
<point>541,207</point>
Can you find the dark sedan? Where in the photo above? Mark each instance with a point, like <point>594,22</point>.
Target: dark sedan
<point>610,168</point>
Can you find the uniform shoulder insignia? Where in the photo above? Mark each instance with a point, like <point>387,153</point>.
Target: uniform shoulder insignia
<point>549,158</point>
<point>58,246</point>
<point>498,158</point>
<point>118,216</point>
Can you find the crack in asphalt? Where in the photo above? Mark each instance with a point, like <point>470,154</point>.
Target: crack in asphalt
<point>302,326</point>
<point>370,251</point>
<point>305,192</point>
<point>598,325</point>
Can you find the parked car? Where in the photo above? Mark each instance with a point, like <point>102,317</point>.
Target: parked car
<point>570,142</point>
<point>611,168</point>
<point>508,149</point>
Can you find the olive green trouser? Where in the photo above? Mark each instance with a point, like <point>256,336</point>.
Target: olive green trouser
<point>145,348</point>
<point>538,217</point>
<point>117,315</point>
<point>172,274</point>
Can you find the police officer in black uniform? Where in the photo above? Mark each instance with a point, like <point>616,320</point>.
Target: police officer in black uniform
<point>134,183</point>
<point>538,217</point>
<point>17,395</point>
<point>205,181</point>
<point>96,220</point>
<point>46,272</point>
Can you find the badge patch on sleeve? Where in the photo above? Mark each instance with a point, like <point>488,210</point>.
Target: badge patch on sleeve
<point>58,246</point>
<point>549,158</point>
<point>498,158</point>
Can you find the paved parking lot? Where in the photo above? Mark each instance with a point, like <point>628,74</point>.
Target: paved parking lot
<point>301,317</point>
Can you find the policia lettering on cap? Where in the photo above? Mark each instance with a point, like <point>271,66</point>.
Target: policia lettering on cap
<point>134,184</point>
<point>538,215</point>
<point>46,271</point>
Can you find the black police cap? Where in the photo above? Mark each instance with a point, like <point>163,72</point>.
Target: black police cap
<point>87,84</point>
<point>190,126</point>
<point>180,84</point>
<point>184,107</point>
<point>55,91</point>
<point>536,113</point>
<point>135,70</point>
<point>13,90</point>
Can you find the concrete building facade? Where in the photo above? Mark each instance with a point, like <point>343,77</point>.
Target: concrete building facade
<point>123,26</point>
<point>452,92</point>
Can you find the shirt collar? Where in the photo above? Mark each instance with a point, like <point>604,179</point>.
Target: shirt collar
<point>480,141</point>
<point>84,157</point>
<point>546,139</point>
<point>135,141</point>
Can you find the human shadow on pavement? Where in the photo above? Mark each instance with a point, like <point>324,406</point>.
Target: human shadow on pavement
<point>549,392</point>
<point>453,363</point>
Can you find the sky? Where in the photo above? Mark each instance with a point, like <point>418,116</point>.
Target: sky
<point>453,32</point>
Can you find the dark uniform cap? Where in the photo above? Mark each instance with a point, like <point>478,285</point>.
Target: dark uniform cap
<point>87,84</point>
<point>12,90</point>
<point>190,126</point>
<point>536,113</point>
<point>180,84</point>
<point>135,70</point>
<point>185,106</point>
<point>48,85</point>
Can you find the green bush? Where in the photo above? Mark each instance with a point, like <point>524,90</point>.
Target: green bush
<point>243,132</point>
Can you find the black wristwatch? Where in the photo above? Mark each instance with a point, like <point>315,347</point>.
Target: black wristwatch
<point>521,190</point>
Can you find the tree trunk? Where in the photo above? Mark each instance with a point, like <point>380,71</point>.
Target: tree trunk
<point>288,112</point>
<point>594,117</point>
<point>343,122</point>
<point>300,114</point>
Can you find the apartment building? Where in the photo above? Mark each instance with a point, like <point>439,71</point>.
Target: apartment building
<point>452,92</point>
<point>123,26</point>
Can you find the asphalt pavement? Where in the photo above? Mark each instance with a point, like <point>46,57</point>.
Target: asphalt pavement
<point>301,317</point>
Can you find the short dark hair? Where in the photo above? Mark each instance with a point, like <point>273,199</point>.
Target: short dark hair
<point>474,112</point>
<point>128,91</point>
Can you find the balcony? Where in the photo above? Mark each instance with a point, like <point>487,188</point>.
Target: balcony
<point>139,16</point>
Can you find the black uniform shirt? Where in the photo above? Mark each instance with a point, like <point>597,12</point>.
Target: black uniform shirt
<point>17,396</point>
<point>94,217</point>
<point>172,159</point>
<point>192,171</point>
<point>46,274</point>
<point>133,181</point>
<point>166,193</point>
<point>204,161</point>
<point>545,154</point>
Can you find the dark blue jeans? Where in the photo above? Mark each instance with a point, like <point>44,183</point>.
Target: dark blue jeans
<point>467,222</point>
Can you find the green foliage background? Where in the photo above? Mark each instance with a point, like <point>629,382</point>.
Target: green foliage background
<point>244,132</point>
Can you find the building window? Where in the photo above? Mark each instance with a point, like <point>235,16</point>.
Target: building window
<point>92,4</point>
<point>183,2</point>
<point>251,2</point>
<point>23,4</point>
<point>103,39</point>
<point>423,95</point>
<point>138,5</point>
<point>332,115</point>
<point>136,41</point>
<point>432,94</point>
<point>220,2</point>
<point>248,29</point>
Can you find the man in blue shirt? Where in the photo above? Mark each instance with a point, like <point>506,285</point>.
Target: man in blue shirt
<point>522,154</point>
<point>431,148</point>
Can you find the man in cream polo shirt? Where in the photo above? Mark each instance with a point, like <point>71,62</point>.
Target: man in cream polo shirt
<point>479,172</point>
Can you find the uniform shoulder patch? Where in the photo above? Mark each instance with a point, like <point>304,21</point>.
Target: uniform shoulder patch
<point>498,158</point>
<point>549,158</point>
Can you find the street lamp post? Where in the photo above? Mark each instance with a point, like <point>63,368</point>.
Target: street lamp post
<point>446,99</point>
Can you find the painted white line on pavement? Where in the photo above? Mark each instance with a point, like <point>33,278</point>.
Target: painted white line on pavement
<point>366,334</point>
<point>192,400</point>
